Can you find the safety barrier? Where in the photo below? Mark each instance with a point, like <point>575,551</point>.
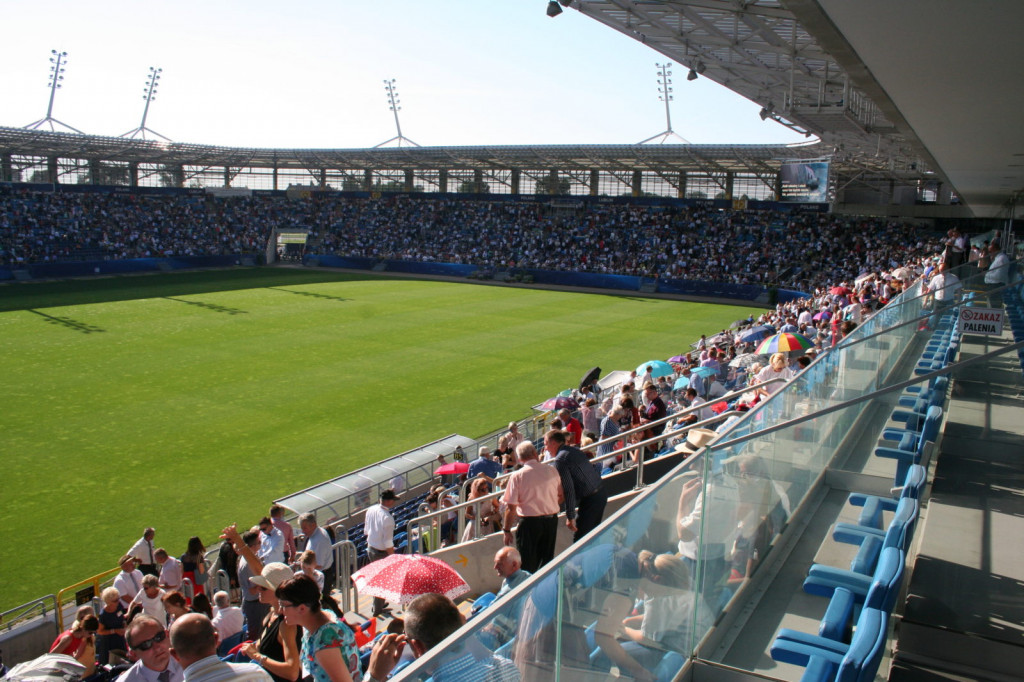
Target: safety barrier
<point>771,462</point>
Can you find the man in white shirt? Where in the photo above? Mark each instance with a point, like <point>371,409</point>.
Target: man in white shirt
<point>271,542</point>
<point>379,527</point>
<point>129,581</point>
<point>944,286</point>
<point>712,529</point>
<point>149,647</point>
<point>319,542</point>
<point>194,645</point>
<point>170,570</point>
<point>277,518</point>
<point>999,271</point>
<point>144,551</point>
<point>227,619</point>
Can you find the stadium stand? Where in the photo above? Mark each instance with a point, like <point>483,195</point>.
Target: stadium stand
<point>803,250</point>
<point>757,491</point>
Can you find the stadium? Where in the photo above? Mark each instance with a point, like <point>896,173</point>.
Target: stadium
<point>448,244</point>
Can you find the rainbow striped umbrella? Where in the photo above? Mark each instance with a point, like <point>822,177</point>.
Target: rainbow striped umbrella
<point>783,343</point>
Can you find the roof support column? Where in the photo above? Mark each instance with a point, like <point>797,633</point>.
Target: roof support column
<point>94,171</point>
<point>275,174</point>
<point>133,173</point>
<point>323,178</point>
<point>368,180</point>
<point>514,180</point>
<point>682,184</point>
<point>729,177</point>
<point>408,180</point>
<point>6,168</point>
<point>227,176</point>
<point>638,183</point>
<point>595,178</point>
<point>552,181</point>
<point>478,181</point>
<point>442,181</point>
<point>51,169</point>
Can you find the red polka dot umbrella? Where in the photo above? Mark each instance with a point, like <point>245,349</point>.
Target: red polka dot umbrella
<point>403,577</point>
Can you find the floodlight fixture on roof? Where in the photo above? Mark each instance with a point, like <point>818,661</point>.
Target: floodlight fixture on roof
<point>393,105</point>
<point>665,95</point>
<point>148,94</point>
<point>58,63</point>
<point>554,9</point>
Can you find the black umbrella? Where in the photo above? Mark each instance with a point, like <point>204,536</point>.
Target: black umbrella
<point>590,378</point>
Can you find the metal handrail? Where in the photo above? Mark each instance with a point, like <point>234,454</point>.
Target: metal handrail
<point>735,393</point>
<point>870,396</point>
<point>913,320</point>
<point>345,558</point>
<point>12,617</point>
<point>426,519</point>
<point>95,581</point>
<point>223,581</point>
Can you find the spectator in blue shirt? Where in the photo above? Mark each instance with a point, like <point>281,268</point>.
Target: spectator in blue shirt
<point>485,464</point>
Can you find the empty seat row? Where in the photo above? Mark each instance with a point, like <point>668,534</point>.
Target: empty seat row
<point>851,637</point>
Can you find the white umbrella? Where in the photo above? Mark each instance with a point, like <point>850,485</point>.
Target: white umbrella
<point>745,360</point>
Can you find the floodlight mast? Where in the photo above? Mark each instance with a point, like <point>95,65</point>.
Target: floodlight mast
<point>665,90</point>
<point>58,62</point>
<point>393,102</point>
<point>148,94</point>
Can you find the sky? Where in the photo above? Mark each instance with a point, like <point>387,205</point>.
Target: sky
<point>310,75</point>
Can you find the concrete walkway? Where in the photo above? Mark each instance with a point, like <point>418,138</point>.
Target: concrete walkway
<point>964,616</point>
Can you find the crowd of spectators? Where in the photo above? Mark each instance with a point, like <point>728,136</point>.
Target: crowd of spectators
<point>740,247</point>
<point>800,250</point>
<point>860,267</point>
<point>45,227</point>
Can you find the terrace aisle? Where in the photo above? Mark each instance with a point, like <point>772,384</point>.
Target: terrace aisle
<point>965,604</point>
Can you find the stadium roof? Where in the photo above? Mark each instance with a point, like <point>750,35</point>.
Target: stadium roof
<point>906,91</point>
<point>717,158</point>
<point>930,84</point>
<point>758,159</point>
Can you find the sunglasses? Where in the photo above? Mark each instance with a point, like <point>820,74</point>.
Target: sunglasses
<point>147,644</point>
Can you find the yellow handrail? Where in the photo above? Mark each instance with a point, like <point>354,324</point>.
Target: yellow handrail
<point>95,581</point>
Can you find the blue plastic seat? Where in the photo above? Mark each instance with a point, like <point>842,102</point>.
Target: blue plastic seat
<point>827,659</point>
<point>848,592</point>
<point>875,505</point>
<point>911,444</point>
<point>872,541</point>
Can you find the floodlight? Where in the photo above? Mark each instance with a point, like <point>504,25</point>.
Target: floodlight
<point>764,113</point>
<point>554,9</point>
<point>692,76</point>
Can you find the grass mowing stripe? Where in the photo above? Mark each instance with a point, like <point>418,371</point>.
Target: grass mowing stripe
<point>190,404</point>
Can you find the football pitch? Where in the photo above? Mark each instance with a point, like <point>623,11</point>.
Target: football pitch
<point>187,401</point>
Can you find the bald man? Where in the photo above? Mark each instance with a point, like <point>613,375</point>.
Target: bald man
<point>194,646</point>
<point>508,564</point>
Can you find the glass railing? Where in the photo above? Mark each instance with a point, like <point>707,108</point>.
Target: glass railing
<point>640,593</point>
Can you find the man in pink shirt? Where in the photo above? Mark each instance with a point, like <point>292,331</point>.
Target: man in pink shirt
<point>534,492</point>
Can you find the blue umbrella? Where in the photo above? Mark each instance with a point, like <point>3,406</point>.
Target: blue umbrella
<point>681,383</point>
<point>704,371</point>
<point>659,368</point>
<point>757,333</point>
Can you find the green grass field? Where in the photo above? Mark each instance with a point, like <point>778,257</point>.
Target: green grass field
<point>188,401</point>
